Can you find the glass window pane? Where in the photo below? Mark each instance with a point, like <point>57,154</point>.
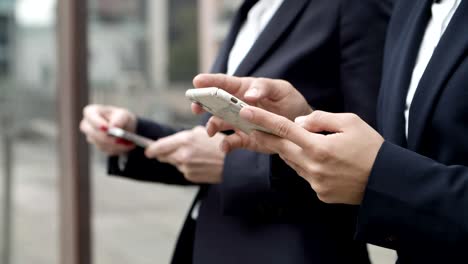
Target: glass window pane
<point>29,128</point>
<point>143,56</point>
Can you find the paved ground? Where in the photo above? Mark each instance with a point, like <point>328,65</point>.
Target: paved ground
<point>133,222</point>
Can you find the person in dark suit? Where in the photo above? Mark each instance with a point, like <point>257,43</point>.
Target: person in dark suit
<point>412,180</point>
<point>251,207</point>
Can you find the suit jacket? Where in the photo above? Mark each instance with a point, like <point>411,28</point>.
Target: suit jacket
<point>417,197</point>
<point>263,212</point>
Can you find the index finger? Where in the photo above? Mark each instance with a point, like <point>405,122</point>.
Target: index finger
<point>216,124</point>
<point>164,146</point>
<point>231,84</point>
<point>197,109</point>
<point>279,126</point>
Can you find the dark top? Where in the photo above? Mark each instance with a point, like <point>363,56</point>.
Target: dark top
<point>263,212</point>
<point>417,198</point>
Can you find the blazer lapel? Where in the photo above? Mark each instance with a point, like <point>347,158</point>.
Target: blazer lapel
<point>399,71</point>
<point>220,64</point>
<point>451,51</point>
<point>278,25</point>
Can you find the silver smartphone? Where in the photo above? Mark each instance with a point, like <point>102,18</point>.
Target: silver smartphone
<point>132,137</point>
<point>223,105</point>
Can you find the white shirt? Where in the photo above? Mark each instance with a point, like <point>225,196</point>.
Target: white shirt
<point>257,19</point>
<point>442,14</point>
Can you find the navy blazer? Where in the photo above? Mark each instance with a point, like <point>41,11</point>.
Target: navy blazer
<point>417,197</point>
<point>263,212</point>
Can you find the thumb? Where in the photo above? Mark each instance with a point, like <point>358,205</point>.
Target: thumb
<point>320,121</point>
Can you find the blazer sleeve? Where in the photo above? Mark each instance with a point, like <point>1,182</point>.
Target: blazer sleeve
<point>138,167</point>
<point>411,198</point>
<point>363,27</point>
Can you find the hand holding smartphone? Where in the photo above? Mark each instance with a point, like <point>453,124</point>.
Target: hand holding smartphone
<point>223,105</point>
<point>129,136</point>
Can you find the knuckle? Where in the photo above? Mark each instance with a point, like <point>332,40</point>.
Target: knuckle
<point>322,153</point>
<point>282,128</point>
<point>185,157</point>
<point>352,118</point>
<point>186,137</point>
<point>315,170</point>
<point>188,155</point>
<point>284,83</point>
<point>87,109</point>
<point>324,193</point>
<point>316,116</point>
<point>179,159</point>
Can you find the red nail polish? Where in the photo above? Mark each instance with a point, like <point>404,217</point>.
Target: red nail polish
<point>123,142</point>
<point>104,128</point>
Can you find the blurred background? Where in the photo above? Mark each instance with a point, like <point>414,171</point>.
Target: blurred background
<point>142,55</point>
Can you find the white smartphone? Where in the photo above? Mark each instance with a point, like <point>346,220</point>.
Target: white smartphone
<point>223,105</point>
<point>132,137</point>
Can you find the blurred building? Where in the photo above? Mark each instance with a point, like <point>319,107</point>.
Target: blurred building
<point>6,38</point>
<point>113,10</point>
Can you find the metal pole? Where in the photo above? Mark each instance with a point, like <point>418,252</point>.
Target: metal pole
<point>75,200</point>
<point>158,50</point>
<point>207,10</point>
<point>158,40</point>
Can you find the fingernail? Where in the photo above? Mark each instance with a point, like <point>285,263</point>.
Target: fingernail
<point>123,142</point>
<point>246,114</point>
<point>300,120</point>
<point>104,128</point>
<point>252,93</point>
